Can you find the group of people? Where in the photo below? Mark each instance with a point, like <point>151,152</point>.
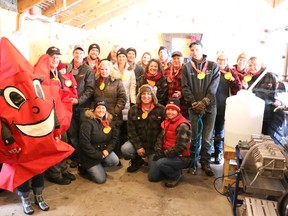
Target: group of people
<point>147,112</point>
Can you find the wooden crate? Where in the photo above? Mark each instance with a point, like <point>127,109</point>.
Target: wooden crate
<point>229,166</point>
<point>260,207</point>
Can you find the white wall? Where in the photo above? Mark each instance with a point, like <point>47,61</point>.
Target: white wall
<point>231,25</point>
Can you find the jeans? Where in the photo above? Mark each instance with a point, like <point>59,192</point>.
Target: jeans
<point>218,134</point>
<point>98,173</point>
<point>130,152</point>
<point>166,168</point>
<point>37,182</point>
<point>206,142</point>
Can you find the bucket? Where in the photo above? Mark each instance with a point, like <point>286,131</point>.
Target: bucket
<point>243,117</point>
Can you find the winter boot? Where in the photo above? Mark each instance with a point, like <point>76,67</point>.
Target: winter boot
<point>39,199</point>
<point>136,163</point>
<point>27,207</point>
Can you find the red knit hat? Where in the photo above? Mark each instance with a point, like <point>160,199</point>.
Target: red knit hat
<point>61,66</point>
<point>173,103</point>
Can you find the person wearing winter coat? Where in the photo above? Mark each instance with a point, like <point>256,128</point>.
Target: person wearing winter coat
<point>144,126</point>
<point>154,77</point>
<point>172,149</point>
<point>96,142</point>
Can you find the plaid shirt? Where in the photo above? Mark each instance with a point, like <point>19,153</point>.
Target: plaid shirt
<point>175,85</point>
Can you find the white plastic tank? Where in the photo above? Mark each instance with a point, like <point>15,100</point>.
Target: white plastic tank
<point>243,117</point>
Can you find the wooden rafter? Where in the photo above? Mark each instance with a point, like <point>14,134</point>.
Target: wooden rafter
<point>118,10</point>
<point>81,8</point>
<point>101,10</point>
<point>24,5</point>
<point>59,6</point>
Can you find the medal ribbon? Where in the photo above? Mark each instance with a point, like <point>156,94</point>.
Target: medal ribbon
<point>199,71</point>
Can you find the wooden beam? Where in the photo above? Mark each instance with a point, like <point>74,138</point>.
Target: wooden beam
<point>81,8</point>
<point>59,5</point>
<point>104,9</point>
<point>102,18</point>
<point>24,5</point>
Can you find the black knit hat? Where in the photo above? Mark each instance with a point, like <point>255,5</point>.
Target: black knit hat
<point>121,51</point>
<point>173,103</point>
<point>132,49</point>
<point>53,51</point>
<point>100,101</point>
<point>94,46</point>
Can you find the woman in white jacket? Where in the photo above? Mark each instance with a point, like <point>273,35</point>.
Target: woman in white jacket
<point>129,83</point>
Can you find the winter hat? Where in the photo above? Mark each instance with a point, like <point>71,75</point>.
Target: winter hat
<point>132,49</point>
<point>242,55</point>
<point>61,66</point>
<point>177,53</point>
<point>53,51</point>
<point>100,101</point>
<point>78,47</point>
<point>94,46</point>
<point>121,51</point>
<point>173,103</point>
<point>162,48</point>
<point>195,43</point>
<point>146,88</point>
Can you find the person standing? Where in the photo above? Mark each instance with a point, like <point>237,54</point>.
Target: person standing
<point>163,55</point>
<point>172,149</point>
<point>144,126</point>
<point>154,77</point>
<point>146,56</point>
<point>229,85</point>
<point>200,80</point>
<point>85,79</point>
<point>131,56</point>
<point>92,59</point>
<point>173,76</point>
<point>58,173</point>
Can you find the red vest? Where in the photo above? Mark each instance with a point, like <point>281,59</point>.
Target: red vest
<point>170,127</point>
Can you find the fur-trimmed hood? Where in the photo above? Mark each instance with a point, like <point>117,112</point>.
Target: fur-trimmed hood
<point>91,115</point>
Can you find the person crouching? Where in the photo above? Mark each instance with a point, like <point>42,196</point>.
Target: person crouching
<point>97,140</point>
<point>172,149</point>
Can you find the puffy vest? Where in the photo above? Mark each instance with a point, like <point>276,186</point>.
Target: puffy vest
<point>170,133</point>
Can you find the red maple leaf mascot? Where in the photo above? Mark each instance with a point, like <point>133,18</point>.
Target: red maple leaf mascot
<point>29,125</point>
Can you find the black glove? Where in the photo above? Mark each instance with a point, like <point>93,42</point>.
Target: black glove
<point>159,154</point>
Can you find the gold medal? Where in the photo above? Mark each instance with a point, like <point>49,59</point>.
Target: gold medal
<point>169,79</point>
<point>68,83</point>
<point>102,86</point>
<point>228,76</point>
<point>144,115</point>
<point>201,75</point>
<point>247,78</point>
<point>124,77</point>
<point>56,78</point>
<point>106,130</point>
<point>151,82</point>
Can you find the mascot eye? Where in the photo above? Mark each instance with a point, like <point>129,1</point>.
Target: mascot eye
<point>14,97</point>
<point>38,89</point>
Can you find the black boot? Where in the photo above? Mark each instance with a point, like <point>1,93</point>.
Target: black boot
<point>39,199</point>
<point>135,164</point>
<point>27,207</point>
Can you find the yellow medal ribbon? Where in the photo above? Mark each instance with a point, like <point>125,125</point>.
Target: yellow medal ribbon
<point>151,82</point>
<point>201,75</point>
<point>124,77</point>
<point>68,83</point>
<point>144,115</point>
<point>228,76</point>
<point>247,78</point>
<point>102,86</point>
<point>107,130</point>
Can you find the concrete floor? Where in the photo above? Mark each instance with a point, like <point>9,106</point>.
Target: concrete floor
<point>128,194</point>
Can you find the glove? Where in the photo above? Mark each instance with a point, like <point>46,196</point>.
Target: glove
<point>159,154</point>
<point>200,106</point>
